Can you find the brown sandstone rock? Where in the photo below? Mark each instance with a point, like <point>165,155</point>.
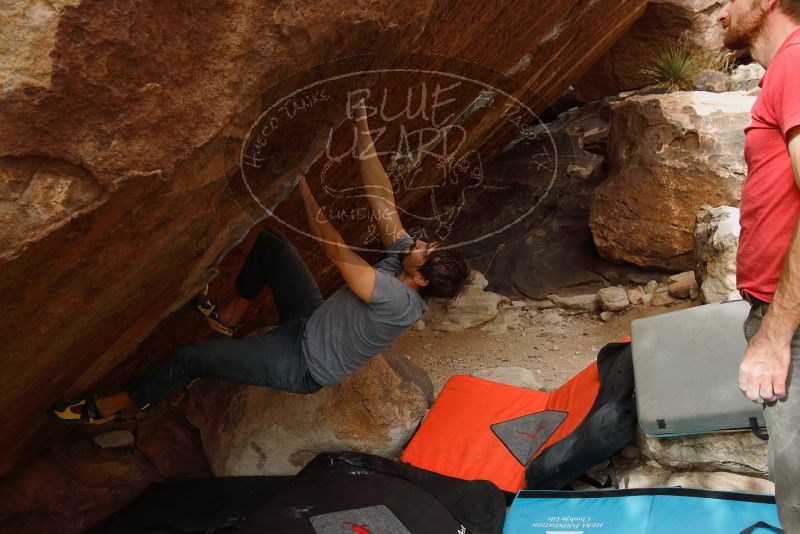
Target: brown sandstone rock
<point>736,452</point>
<point>669,155</point>
<point>473,308</point>
<point>635,296</point>
<point>262,431</point>
<point>71,489</point>
<point>721,481</point>
<point>613,298</point>
<point>583,303</point>
<point>680,285</point>
<point>172,446</point>
<point>642,476</point>
<point>115,439</point>
<point>746,77</point>
<point>115,121</point>
<point>693,22</point>
<point>716,240</point>
<point>712,80</point>
<point>513,376</point>
<point>551,248</point>
<point>662,298</point>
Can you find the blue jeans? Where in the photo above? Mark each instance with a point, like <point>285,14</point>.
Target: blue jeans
<point>274,359</point>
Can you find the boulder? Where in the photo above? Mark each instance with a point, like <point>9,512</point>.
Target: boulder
<point>613,298</point>
<point>172,446</point>
<point>692,22</point>
<point>746,77</point>
<point>549,318</point>
<point>477,280</point>
<point>543,304</point>
<point>114,164</point>
<point>635,296</point>
<point>513,376</point>
<point>114,439</point>
<point>721,481</point>
<point>669,155</point>
<point>507,318</point>
<point>736,452</point>
<point>662,297</point>
<point>473,308</point>
<point>716,240</point>
<point>583,303</point>
<point>70,489</point>
<point>712,80</point>
<point>549,250</point>
<point>643,476</point>
<point>527,260</point>
<point>680,285</point>
<point>650,287</point>
<point>261,431</point>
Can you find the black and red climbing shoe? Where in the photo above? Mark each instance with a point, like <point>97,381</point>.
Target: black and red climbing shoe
<point>210,311</point>
<point>81,412</point>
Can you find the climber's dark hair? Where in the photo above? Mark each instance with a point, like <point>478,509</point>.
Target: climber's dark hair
<point>447,272</point>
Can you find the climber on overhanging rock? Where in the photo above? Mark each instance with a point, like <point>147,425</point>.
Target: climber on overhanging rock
<point>318,342</point>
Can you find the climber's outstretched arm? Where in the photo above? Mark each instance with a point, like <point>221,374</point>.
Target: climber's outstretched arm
<point>377,186</point>
<point>357,273</point>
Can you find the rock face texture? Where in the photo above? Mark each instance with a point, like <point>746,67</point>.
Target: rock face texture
<point>114,205</point>
<point>71,489</point>
<point>475,307</point>
<point>746,77</point>
<point>693,22</point>
<point>260,431</point>
<point>669,154</point>
<point>172,446</point>
<point>716,240</point>
<point>553,248</point>
<point>721,481</point>
<point>736,452</point>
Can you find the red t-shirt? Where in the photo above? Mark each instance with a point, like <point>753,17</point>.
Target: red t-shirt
<point>770,205</point>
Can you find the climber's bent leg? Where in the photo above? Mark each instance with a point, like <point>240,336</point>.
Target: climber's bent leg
<point>273,359</point>
<point>275,262</point>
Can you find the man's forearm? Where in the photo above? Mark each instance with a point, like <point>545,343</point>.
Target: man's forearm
<point>330,239</point>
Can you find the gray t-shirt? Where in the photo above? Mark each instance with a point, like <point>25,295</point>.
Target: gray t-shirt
<point>345,332</point>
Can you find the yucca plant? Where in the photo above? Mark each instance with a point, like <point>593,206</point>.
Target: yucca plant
<point>673,66</point>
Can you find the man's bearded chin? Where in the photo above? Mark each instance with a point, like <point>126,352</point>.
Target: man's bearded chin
<point>743,34</point>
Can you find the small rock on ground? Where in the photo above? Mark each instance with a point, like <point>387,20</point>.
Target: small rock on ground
<point>114,439</point>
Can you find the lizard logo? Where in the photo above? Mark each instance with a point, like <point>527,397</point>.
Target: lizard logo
<point>536,433</point>
<point>354,527</point>
<point>524,436</point>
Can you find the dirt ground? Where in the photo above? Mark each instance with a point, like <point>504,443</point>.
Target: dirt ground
<point>555,351</point>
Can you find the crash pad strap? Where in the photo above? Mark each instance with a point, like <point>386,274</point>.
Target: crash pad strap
<point>761,524</point>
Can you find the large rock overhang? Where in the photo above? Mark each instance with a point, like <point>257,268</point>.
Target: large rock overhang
<point>113,127</point>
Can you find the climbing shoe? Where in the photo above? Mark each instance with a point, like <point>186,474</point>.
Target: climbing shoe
<point>210,311</point>
<point>82,412</point>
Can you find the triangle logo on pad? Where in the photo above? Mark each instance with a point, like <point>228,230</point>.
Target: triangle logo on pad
<point>524,436</point>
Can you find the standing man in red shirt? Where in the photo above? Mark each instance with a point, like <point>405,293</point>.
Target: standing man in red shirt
<point>768,260</point>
